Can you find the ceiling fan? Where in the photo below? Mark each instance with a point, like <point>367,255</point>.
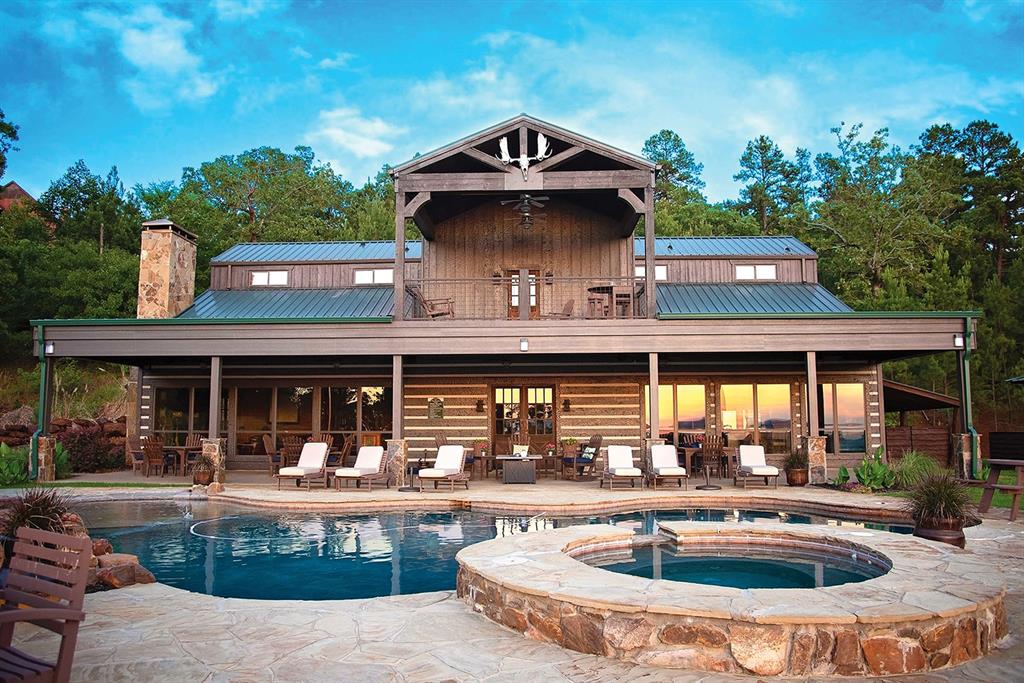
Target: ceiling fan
<point>524,206</point>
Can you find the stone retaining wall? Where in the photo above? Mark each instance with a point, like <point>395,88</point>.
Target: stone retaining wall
<point>926,614</point>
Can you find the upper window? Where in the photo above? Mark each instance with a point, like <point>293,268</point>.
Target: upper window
<point>270,278</point>
<point>376,276</point>
<point>660,272</point>
<point>756,272</point>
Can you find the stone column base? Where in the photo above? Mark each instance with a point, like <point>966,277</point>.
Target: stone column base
<point>397,458</point>
<point>47,466</point>
<point>962,455</point>
<point>214,450</point>
<point>816,461</point>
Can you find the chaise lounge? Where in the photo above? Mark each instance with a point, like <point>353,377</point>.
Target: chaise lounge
<point>752,464</point>
<point>312,466</point>
<point>620,466</point>
<point>665,465</point>
<point>369,467</point>
<point>450,466</point>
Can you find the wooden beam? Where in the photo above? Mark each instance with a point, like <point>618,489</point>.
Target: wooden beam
<point>652,369</point>
<point>398,313</point>
<point>556,159</point>
<point>627,195</point>
<point>812,394</point>
<point>496,182</point>
<point>523,141</point>
<point>486,158</point>
<point>416,202</point>
<point>397,396</point>
<point>649,271</point>
<point>594,180</point>
<point>425,223</point>
<point>214,407</point>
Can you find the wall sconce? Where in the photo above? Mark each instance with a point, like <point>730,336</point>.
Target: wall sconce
<point>566,405</point>
<point>479,405</point>
<point>958,341</point>
<point>48,348</point>
<point>524,344</point>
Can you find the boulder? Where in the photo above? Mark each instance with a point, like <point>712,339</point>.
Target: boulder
<point>113,429</point>
<point>762,650</point>
<point>101,546</point>
<point>23,418</point>
<point>116,560</point>
<point>143,575</point>
<point>117,576</point>
<point>215,488</point>
<point>74,526</point>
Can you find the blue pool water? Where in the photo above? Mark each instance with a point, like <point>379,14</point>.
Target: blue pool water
<point>234,551</point>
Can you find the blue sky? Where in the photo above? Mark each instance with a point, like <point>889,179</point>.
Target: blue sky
<point>154,87</point>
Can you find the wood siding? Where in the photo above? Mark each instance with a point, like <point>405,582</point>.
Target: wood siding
<point>703,269</point>
<point>300,275</point>
<point>612,409</point>
<point>461,424</point>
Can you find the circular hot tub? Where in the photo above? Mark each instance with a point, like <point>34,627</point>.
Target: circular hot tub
<point>906,605</point>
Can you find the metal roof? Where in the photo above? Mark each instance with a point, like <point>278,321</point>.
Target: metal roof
<point>752,245</point>
<point>293,252</point>
<point>745,299</point>
<point>369,304</point>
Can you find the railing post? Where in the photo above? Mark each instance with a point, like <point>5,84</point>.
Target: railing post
<point>398,312</point>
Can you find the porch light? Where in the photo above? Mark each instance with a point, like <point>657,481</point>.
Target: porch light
<point>479,405</point>
<point>48,348</point>
<point>958,341</point>
<point>566,405</point>
<point>524,344</point>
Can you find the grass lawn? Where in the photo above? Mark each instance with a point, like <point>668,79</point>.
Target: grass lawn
<point>1001,499</point>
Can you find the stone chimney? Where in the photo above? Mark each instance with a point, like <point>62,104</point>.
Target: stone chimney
<point>167,270</point>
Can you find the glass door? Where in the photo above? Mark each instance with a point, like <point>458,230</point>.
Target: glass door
<point>517,298</point>
<point>523,414</point>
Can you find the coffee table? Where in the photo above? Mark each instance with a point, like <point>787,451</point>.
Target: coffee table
<point>519,469</point>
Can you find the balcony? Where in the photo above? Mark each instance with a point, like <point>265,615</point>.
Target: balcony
<point>545,298</point>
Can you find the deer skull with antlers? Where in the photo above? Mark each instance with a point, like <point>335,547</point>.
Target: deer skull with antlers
<point>524,159</point>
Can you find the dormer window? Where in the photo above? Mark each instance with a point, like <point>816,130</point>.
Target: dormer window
<point>764,271</point>
<point>269,278</point>
<point>660,272</point>
<point>375,276</point>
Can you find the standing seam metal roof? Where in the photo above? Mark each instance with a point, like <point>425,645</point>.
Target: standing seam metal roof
<point>350,303</point>
<point>752,245</point>
<point>744,299</point>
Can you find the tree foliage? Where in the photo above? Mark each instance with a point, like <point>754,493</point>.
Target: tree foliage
<point>678,168</point>
<point>8,136</point>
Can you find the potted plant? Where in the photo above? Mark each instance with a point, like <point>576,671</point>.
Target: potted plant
<point>796,469</point>
<point>202,470</point>
<point>940,506</point>
<point>568,447</point>
<point>481,446</point>
<point>550,448</point>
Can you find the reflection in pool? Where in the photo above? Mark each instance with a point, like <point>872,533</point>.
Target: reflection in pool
<point>239,552</point>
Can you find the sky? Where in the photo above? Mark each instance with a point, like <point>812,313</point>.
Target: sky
<point>155,87</point>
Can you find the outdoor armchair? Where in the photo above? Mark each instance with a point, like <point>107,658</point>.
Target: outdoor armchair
<point>620,466</point>
<point>450,466</point>
<point>752,464</point>
<point>369,467</point>
<point>665,465</point>
<point>312,466</point>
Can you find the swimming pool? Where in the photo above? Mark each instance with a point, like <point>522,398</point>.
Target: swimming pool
<point>239,552</point>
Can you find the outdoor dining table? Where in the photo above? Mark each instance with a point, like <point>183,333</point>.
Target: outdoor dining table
<point>996,468</point>
<point>181,461</point>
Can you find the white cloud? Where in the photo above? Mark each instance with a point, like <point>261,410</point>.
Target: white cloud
<point>352,143</point>
<point>301,52</point>
<point>236,10</point>
<point>338,61</point>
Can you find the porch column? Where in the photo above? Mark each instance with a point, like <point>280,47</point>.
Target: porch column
<point>397,397</point>
<point>215,373</point>
<point>649,251</point>
<point>816,461</point>
<point>652,361</point>
<point>399,276</point>
<point>45,415</point>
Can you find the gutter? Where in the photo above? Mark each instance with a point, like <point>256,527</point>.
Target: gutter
<point>851,315</point>
<point>966,398</point>
<point>204,321</point>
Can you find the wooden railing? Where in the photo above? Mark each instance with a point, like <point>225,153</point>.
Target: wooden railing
<point>545,298</point>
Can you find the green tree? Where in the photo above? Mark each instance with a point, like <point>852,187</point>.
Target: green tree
<point>678,167</point>
<point>85,206</point>
<point>775,187</point>
<point>8,136</point>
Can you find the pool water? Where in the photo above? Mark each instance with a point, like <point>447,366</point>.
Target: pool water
<point>742,566</point>
<point>239,552</point>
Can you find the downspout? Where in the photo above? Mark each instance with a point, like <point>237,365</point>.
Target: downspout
<point>33,459</point>
<point>968,413</point>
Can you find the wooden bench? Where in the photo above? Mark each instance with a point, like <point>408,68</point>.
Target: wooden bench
<point>996,468</point>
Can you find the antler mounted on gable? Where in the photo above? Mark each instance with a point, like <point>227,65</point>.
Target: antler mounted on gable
<point>524,159</point>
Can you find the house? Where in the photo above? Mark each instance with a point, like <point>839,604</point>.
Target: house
<point>529,308</point>
<point>12,193</point>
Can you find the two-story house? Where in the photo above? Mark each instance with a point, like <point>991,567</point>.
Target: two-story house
<point>529,308</point>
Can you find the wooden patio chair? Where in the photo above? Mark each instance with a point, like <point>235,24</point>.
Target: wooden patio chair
<point>665,465</point>
<point>432,308</point>
<point>752,464</point>
<point>564,314</point>
<point>371,466</point>
<point>348,445</point>
<point>275,459</point>
<point>138,454</point>
<point>620,466</point>
<point>45,586</point>
<point>291,449</point>
<point>450,466</point>
<point>582,465</point>
<point>712,454</point>
<point>153,448</point>
<point>312,466</point>
<point>193,448</point>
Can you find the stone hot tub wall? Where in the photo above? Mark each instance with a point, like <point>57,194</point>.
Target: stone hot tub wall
<point>930,611</point>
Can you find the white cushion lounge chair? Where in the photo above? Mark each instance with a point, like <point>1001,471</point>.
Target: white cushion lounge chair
<point>752,464</point>
<point>450,466</point>
<point>665,465</point>
<point>369,467</point>
<point>620,466</point>
<point>312,466</point>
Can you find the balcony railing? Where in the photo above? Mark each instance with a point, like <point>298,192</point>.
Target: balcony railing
<point>545,298</point>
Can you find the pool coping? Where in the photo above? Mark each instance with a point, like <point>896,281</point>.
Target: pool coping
<point>938,606</point>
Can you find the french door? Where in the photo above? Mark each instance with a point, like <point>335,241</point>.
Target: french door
<point>523,414</point>
<point>519,295</point>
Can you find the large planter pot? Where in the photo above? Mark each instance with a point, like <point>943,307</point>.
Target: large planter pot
<point>202,477</point>
<point>796,477</point>
<point>945,530</point>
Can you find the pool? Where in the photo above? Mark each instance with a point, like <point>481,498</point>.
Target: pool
<point>741,566</point>
<point>234,551</point>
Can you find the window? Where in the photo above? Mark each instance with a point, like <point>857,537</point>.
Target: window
<point>774,417</point>
<point>841,412</point>
<point>270,278</point>
<point>660,272</point>
<point>680,413</point>
<point>377,276</point>
<point>765,271</point>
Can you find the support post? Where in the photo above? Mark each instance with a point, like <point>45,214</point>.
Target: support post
<point>524,294</point>
<point>649,271</point>
<point>397,397</point>
<point>215,376</point>
<point>398,313</point>
<point>963,367</point>
<point>652,362</point>
<point>817,463</point>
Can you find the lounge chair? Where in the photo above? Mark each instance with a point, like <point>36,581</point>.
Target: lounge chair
<point>583,464</point>
<point>450,466</point>
<point>665,465</point>
<point>620,466</point>
<point>752,464</point>
<point>46,587</point>
<point>369,467</point>
<point>312,466</point>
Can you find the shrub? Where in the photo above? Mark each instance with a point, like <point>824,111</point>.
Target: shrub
<point>37,509</point>
<point>61,462</point>
<point>842,476</point>
<point>91,451</point>
<point>796,460</point>
<point>874,473</point>
<point>912,468</point>
<point>937,497</point>
<point>13,465</point>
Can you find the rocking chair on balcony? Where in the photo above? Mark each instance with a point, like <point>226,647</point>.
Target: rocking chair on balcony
<point>432,308</point>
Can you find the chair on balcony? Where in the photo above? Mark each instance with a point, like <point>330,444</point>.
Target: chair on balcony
<point>432,308</point>
<point>564,314</point>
